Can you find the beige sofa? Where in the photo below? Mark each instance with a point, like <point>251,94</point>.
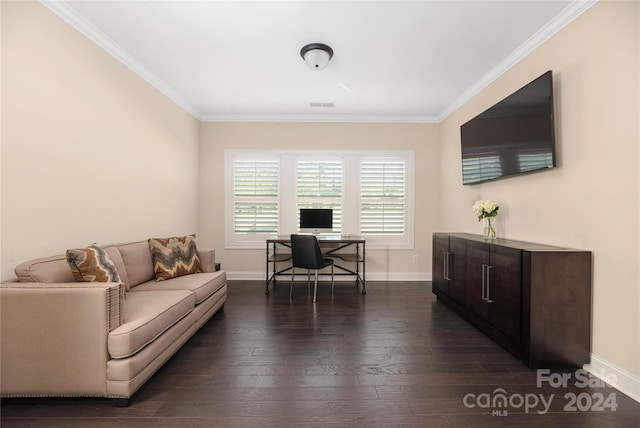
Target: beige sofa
<point>64,338</point>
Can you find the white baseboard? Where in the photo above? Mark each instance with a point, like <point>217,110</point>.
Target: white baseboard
<point>625,382</point>
<point>245,276</point>
<point>372,276</point>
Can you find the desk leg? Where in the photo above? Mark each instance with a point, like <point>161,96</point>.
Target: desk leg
<point>364,263</point>
<point>266,284</point>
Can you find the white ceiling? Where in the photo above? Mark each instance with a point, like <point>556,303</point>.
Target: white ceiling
<point>399,61</point>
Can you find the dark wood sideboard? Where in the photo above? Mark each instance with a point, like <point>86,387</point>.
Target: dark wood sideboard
<point>534,300</point>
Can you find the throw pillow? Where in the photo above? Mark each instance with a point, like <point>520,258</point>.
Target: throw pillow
<point>175,256</point>
<point>92,264</point>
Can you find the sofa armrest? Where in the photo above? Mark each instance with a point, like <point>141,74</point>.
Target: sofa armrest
<point>207,259</point>
<point>53,337</point>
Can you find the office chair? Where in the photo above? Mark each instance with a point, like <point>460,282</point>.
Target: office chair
<point>306,254</point>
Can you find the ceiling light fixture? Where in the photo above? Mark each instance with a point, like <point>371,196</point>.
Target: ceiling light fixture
<point>316,55</point>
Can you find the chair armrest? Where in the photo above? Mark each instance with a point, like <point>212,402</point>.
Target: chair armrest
<point>53,336</point>
<point>207,259</point>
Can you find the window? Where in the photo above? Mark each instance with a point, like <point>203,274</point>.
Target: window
<point>382,204</point>
<point>254,198</point>
<point>319,184</point>
<point>370,193</point>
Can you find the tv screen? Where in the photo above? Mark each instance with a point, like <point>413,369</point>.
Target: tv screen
<point>515,136</point>
<point>316,220</point>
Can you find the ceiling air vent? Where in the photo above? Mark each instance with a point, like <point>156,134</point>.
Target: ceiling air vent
<point>318,104</point>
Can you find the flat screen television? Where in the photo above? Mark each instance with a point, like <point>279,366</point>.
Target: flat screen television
<point>316,220</point>
<point>515,136</point>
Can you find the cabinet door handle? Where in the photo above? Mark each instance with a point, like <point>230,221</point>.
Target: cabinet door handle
<point>484,281</point>
<point>489,267</point>
<point>444,265</point>
<point>447,266</point>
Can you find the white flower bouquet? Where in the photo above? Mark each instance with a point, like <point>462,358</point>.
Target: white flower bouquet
<point>486,209</point>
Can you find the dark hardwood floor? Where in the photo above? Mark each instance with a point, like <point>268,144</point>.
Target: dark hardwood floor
<point>391,358</point>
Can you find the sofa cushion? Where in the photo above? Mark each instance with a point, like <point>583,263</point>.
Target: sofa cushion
<point>202,285</point>
<point>137,262</point>
<point>49,269</point>
<point>147,314</point>
<point>207,259</point>
<point>92,264</point>
<point>174,257</point>
<point>116,258</point>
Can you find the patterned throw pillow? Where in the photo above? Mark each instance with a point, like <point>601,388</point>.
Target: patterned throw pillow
<point>173,257</point>
<point>92,264</point>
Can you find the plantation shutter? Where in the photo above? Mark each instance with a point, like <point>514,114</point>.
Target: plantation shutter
<point>383,192</point>
<point>370,193</point>
<point>255,192</point>
<point>319,185</point>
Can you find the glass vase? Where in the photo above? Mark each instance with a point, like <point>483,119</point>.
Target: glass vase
<point>489,228</point>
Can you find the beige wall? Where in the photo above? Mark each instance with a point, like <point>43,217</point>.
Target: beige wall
<point>421,138</point>
<point>90,152</point>
<point>591,201</point>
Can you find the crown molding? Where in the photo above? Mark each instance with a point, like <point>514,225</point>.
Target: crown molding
<point>66,13</point>
<point>70,16</point>
<point>570,13</point>
<point>77,21</point>
<point>303,118</point>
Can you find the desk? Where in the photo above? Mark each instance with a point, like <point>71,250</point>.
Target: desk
<point>346,249</point>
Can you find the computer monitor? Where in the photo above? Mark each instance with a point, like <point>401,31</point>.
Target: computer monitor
<point>316,220</point>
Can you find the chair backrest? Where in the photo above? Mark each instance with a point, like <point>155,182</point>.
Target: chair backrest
<point>306,252</point>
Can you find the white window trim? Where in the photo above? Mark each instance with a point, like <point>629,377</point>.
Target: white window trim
<point>287,220</point>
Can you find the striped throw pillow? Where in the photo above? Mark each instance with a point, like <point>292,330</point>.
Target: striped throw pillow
<point>92,264</point>
<point>175,256</point>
